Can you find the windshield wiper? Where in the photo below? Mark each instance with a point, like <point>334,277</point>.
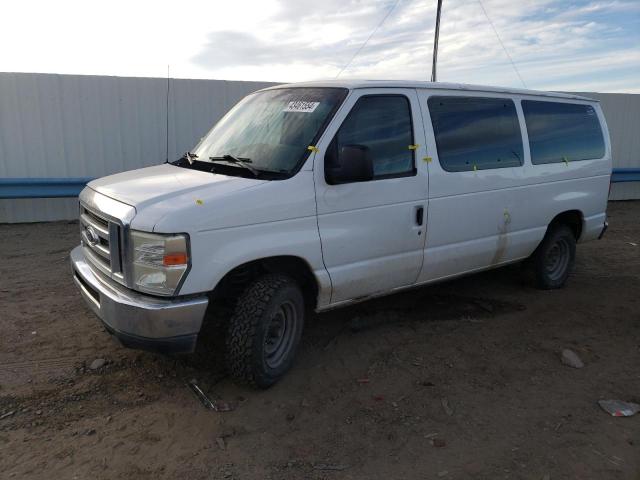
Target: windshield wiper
<point>243,162</point>
<point>189,157</point>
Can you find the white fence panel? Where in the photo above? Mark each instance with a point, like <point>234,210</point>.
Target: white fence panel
<point>622,111</point>
<point>73,126</point>
<point>61,126</point>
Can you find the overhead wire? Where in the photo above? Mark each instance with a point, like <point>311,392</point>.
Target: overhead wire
<point>515,68</point>
<point>484,11</point>
<point>368,38</point>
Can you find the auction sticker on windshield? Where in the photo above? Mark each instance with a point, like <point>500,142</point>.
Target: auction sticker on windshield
<point>301,106</point>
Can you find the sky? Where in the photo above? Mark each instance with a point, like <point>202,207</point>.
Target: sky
<point>555,45</point>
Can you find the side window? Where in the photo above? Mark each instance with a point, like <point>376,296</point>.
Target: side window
<point>474,133</point>
<point>381,125</point>
<point>562,132</point>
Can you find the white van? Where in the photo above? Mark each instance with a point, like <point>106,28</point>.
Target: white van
<point>318,195</point>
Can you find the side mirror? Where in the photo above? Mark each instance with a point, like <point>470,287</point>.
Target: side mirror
<point>354,165</point>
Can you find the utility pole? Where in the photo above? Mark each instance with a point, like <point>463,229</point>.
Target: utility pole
<point>435,43</point>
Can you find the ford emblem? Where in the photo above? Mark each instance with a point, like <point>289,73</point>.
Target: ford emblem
<point>92,235</point>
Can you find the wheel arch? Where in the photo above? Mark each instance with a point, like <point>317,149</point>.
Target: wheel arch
<point>236,279</point>
<point>574,219</point>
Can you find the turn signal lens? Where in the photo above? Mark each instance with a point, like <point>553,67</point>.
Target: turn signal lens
<point>174,259</point>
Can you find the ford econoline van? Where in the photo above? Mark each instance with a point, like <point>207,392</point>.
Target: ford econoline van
<point>317,195</point>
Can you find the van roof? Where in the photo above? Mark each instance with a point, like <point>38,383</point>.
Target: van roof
<point>354,84</point>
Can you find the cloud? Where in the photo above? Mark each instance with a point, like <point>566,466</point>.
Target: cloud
<point>326,34</point>
<point>554,44</point>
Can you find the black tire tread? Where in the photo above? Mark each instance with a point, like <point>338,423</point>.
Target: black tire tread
<point>537,259</point>
<point>243,326</point>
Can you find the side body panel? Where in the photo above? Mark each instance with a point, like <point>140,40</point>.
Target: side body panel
<point>289,227</point>
<point>485,218</point>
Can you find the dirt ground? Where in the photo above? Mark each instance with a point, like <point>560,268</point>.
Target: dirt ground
<point>460,380</point>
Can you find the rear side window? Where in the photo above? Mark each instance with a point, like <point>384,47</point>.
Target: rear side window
<point>474,133</point>
<point>562,132</point>
<point>382,123</point>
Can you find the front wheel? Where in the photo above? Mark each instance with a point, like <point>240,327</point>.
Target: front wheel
<point>553,259</point>
<point>265,330</point>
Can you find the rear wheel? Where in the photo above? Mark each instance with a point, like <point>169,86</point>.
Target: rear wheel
<point>265,330</point>
<point>553,259</point>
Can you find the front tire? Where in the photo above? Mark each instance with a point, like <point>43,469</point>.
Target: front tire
<point>553,259</point>
<point>265,330</point>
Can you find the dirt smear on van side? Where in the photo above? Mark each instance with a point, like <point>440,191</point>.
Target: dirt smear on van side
<point>459,380</point>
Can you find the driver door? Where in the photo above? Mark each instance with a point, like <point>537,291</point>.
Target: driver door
<point>373,231</point>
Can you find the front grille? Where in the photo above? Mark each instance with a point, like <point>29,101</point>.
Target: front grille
<point>100,238</point>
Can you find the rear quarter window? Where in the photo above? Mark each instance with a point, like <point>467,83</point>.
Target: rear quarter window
<point>476,133</point>
<point>561,132</point>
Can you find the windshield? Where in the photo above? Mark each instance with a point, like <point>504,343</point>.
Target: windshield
<point>272,130</point>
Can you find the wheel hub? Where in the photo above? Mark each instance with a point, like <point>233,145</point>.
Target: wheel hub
<point>279,335</point>
<point>557,259</point>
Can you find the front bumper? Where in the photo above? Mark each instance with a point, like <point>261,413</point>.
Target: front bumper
<point>137,320</point>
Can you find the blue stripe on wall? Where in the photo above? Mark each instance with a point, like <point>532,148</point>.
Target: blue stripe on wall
<point>42,187</point>
<point>71,187</point>
<point>625,175</point>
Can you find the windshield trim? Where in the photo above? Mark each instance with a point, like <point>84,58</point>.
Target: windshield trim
<point>305,155</point>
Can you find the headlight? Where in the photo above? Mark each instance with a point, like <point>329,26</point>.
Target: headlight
<point>159,262</point>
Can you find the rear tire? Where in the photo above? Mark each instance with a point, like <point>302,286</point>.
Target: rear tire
<point>265,330</point>
<point>553,259</point>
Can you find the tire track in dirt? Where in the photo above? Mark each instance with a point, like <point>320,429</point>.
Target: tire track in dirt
<point>18,372</point>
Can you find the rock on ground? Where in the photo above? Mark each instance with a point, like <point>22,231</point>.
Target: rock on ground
<point>97,363</point>
<point>571,358</point>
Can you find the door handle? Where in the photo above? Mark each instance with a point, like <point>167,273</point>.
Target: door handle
<point>419,215</point>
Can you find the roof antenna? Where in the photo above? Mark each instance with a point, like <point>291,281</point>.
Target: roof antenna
<point>435,43</point>
<point>167,112</point>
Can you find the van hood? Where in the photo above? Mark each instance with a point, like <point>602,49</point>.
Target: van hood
<point>146,186</point>
<point>170,199</point>
<point>170,192</point>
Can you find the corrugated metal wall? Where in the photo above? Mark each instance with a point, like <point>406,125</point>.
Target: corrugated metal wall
<point>622,111</point>
<point>88,126</point>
